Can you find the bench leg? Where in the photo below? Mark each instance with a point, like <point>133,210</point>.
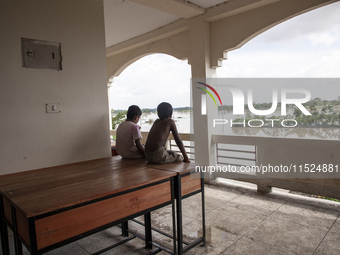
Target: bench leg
<point>3,229</point>
<point>125,229</point>
<point>17,242</point>
<point>148,234</point>
<point>179,217</point>
<point>203,211</point>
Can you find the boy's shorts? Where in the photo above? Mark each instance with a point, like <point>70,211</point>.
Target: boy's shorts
<point>162,155</point>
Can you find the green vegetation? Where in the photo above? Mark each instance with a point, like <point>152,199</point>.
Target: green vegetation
<point>183,109</point>
<point>118,117</point>
<point>332,199</point>
<point>148,110</point>
<point>315,196</point>
<point>152,110</point>
<point>323,113</point>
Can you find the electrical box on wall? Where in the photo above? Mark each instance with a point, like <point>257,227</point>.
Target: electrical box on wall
<point>41,54</point>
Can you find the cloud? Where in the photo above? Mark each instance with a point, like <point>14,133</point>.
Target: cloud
<point>305,46</point>
<point>151,80</point>
<point>321,62</point>
<point>308,25</point>
<point>327,39</point>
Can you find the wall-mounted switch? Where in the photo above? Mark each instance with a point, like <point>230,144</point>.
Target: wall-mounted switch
<point>53,108</point>
<point>30,53</point>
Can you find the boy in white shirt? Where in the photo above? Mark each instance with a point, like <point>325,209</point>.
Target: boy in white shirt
<point>128,135</point>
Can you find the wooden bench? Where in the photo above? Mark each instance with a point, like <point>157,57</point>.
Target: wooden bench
<point>50,207</point>
<point>187,183</point>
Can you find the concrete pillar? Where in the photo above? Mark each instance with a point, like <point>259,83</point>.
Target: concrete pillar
<point>109,84</point>
<point>201,71</point>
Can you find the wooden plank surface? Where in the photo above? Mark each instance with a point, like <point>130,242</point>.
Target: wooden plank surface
<point>52,172</point>
<point>178,167</point>
<point>67,185</point>
<point>100,178</point>
<point>64,225</point>
<point>36,185</point>
<point>190,183</point>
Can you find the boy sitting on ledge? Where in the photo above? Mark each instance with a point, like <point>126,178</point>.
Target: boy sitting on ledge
<point>128,135</point>
<point>155,151</point>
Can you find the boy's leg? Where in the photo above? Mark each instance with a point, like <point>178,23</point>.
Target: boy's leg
<point>173,157</point>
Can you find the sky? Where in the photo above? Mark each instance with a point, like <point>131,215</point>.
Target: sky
<point>307,46</point>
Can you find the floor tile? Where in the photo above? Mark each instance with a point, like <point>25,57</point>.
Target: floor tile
<point>107,238</point>
<point>248,246</point>
<point>217,240</point>
<point>288,235</point>
<point>72,248</point>
<point>257,203</point>
<point>331,243</point>
<point>307,215</point>
<point>217,197</point>
<point>329,248</point>
<point>334,233</point>
<point>214,198</point>
<point>233,220</point>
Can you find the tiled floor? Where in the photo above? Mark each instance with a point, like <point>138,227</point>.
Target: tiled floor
<point>239,221</point>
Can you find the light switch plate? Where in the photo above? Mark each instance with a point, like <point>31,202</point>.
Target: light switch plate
<point>53,108</point>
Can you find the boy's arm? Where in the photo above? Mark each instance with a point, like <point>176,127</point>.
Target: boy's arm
<point>179,141</point>
<point>139,146</point>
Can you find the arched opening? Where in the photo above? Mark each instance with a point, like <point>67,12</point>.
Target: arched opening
<point>149,81</point>
<point>303,47</point>
<point>306,46</point>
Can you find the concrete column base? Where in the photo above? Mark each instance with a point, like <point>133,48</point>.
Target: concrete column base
<point>264,188</point>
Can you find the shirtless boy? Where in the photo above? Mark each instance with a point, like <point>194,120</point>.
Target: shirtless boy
<point>155,151</point>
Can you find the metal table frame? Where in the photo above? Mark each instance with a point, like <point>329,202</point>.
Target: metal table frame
<point>32,247</point>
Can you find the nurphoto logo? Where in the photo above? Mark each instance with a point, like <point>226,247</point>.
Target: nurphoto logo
<point>213,90</point>
<point>281,100</point>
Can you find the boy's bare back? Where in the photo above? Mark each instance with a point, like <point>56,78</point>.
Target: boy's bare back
<point>155,150</point>
<point>159,133</point>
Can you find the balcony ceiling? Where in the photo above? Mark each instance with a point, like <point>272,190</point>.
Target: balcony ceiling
<point>126,19</point>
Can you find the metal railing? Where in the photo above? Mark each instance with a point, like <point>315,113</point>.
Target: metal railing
<point>236,155</point>
<point>188,143</point>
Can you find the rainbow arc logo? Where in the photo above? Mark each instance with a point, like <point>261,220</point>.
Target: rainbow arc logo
<point>209,93</point>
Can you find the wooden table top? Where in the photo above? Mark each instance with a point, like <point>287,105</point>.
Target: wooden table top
<point>178,167</point>
<point>45,190</point>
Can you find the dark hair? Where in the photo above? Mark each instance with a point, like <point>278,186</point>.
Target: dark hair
<point>164,110</point>
<point>133,111</point>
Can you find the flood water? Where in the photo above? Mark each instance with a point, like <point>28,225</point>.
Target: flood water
<point>184,119</point>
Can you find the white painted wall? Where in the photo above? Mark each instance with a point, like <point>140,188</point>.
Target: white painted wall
<point>30,138</point>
